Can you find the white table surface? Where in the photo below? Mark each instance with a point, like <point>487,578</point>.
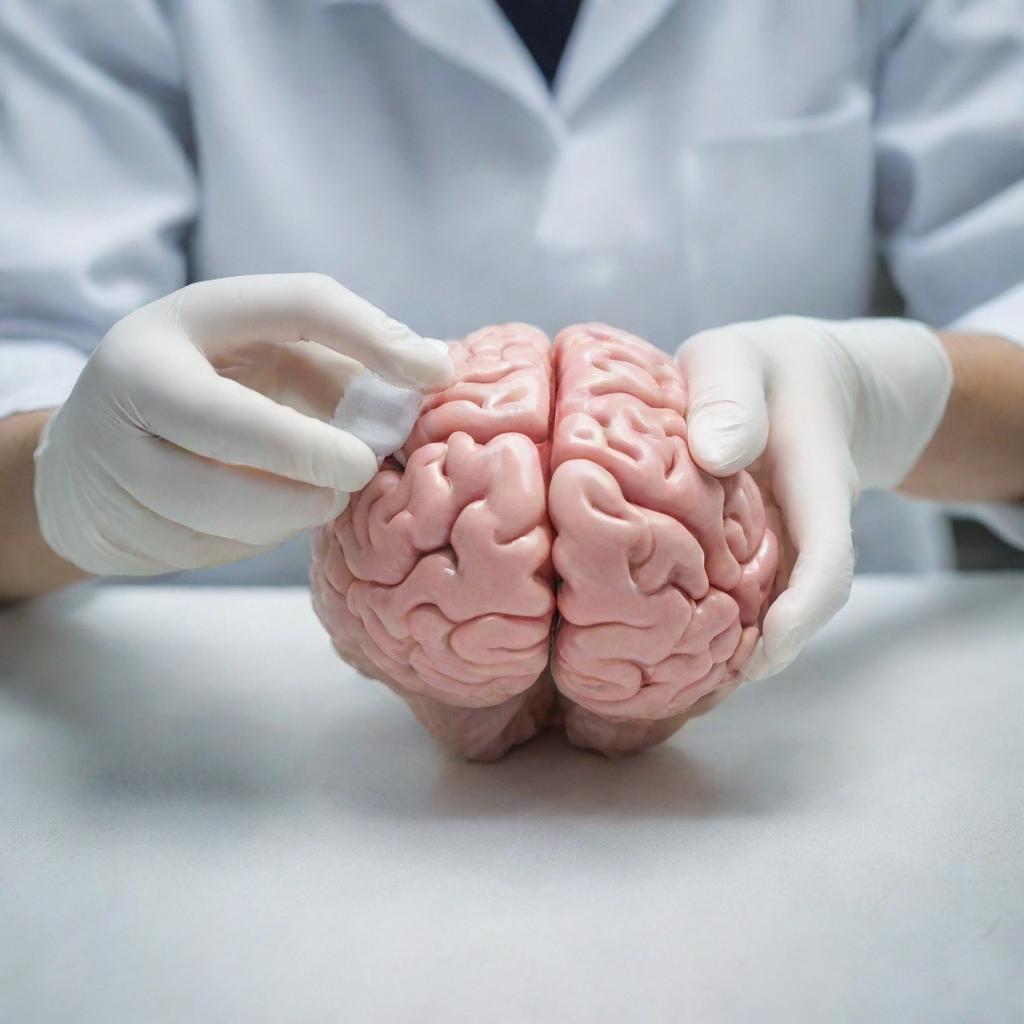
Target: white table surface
<point>206,817</point>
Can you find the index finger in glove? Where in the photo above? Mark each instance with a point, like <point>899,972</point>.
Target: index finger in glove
<point>180,397</point>
<point>231,311</point>
<point>233,502</point>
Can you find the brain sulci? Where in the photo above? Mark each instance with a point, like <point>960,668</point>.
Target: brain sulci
<point>545,552</point>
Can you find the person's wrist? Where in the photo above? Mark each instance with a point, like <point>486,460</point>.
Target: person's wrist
<point>30,567</point>
<point>905,379</point>
<point>26,428</point>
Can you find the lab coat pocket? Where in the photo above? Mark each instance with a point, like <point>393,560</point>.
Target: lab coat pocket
<point>779,219</point>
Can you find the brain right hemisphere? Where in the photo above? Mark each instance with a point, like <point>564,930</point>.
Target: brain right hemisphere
<point>543,478</point>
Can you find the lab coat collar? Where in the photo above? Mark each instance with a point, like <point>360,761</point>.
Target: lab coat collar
<point>606,33</point>
<point>476,35</point>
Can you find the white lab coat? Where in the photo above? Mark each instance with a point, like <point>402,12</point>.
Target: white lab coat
<point>697,163</point>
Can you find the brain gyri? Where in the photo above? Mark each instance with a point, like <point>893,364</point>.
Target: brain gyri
<point>550,554</point>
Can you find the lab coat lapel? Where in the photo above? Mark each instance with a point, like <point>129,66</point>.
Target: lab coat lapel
<point>475,35</point>
<point>605,34</point>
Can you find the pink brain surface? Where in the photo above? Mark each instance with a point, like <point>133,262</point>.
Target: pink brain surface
<point>550,554</point>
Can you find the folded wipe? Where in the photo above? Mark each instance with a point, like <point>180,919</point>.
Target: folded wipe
<point>380,414</point>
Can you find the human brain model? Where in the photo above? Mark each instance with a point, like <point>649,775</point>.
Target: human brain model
<point>549,553</point>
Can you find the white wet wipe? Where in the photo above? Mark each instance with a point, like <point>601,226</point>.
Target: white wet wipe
<point>380,414</point>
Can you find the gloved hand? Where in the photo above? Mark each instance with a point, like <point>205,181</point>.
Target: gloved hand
<point>833,406</point>
<point>195,435</point>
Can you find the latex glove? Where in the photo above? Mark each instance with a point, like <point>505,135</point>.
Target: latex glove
<point>833,406</point>
<point>157,461</point>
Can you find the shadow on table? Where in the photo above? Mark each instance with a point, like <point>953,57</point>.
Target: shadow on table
<point>212,739</point>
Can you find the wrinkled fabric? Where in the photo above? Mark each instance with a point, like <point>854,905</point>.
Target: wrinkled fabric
<point>550,553</point>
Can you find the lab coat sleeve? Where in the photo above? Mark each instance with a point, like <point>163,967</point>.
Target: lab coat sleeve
<point>950,174</point>
<point>97,188</point>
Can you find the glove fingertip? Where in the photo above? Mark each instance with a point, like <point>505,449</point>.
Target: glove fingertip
<point>783,634</point>
<point>722,444</point>
<point>409,360</point>
<point>432,364</point>
<point>337,506</point>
